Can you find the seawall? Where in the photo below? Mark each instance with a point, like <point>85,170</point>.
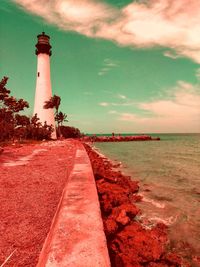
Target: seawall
<point>76,237</point>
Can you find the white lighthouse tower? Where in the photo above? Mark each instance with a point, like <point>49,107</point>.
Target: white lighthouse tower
<point>43,90</point>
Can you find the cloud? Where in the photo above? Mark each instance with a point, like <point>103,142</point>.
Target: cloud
<point>178,111</point>
<point>104,104</point>
<point>150,23</point>
<point>87,93</point>
<point>122,96</point>
<point>131,117</point>
<point>171,54</point>
<point>124,101</point>
<point>119,104</point>
<point>108,64</point>
<point>112,112</point>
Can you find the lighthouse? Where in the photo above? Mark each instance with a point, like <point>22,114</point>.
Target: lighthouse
<point>43,90</point>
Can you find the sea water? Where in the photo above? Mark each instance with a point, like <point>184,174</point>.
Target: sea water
<point>169,176</point>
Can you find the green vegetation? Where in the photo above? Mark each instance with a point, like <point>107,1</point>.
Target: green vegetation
<point>70,132</point>
<point>60,117</point>
<point>15,126</point>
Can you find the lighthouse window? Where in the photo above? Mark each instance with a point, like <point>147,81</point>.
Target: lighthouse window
<point>38,74</point>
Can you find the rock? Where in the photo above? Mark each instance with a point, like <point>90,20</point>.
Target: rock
<point>141,245</point>
<point>122,218</point>
<point>129,210</point>
<point>136,198</point>
<point>1,149</point>
<point>196,261</point>
<point>172,258</point>
<point>110,226</point>
<point>159,264</point>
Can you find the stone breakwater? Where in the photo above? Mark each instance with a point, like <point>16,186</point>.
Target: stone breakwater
<point>129,242</point>
<point>120,138</point>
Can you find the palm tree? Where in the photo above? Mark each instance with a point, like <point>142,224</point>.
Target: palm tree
<point>53,102</point>
<point>61,117</point>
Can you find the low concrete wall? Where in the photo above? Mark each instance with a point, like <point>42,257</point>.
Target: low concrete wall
<point>76,237</point>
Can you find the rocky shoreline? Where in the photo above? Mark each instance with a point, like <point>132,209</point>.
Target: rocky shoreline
<point>129,242</point>
<point>119,138</point>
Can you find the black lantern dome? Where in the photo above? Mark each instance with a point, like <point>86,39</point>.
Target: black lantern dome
<point>43,46</point>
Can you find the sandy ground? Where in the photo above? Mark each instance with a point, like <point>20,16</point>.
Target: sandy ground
<point>32,178</point>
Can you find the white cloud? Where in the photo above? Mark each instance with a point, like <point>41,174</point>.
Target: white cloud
<point>87,93</point>
<point>121,96</point>
<point>101,73</point>
<point>122,101</point>
<point>104,104</point>
<point>119,104</point>
<point>171,54</point>
<point>178,112</point>
<point>131,117</point>
<point>108,64</point>
<point>150,23</point>
<point>82,11</point>
<point>112,112</point>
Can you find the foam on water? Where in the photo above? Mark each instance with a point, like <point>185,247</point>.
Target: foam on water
<point>168,221</point>
<point>153,202</point>
<point>150,222</point>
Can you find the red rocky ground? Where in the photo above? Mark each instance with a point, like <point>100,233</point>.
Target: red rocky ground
<point>29,195</point>
<point>129,243</point>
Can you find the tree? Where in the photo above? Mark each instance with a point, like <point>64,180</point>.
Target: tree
<point>3,91</point>
<point>53,102</point>
<point>9,107</point>
<point>35,121</point>
<point>15,105</point>
<point>60,118</point>
<point>22,120</point>
<point>12,124</point>
<point>70,132</point>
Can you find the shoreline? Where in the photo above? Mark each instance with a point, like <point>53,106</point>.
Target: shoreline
<point>119,138</point>
<point>129,242</point>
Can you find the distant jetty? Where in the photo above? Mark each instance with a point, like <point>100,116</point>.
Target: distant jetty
<point>119,138</point>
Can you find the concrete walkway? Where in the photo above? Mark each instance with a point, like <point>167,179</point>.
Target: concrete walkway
<point>76,237</point>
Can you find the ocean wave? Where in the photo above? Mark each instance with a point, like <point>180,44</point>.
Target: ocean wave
<point>153,202</point>
<point>168,221</point>
<point>150,222</point>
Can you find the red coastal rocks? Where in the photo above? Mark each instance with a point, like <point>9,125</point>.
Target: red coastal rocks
<point>119,138</point>
<point>129,243</point>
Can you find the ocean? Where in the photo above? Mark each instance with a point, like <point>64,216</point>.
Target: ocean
<point>168,172</point>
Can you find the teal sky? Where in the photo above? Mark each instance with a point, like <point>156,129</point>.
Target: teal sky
<point>104,86</point>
